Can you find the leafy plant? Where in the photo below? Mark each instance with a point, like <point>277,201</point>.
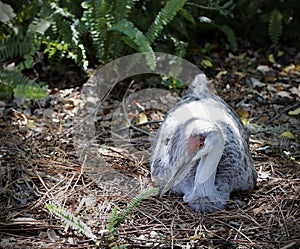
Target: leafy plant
<point>115,220</point>
<point>97,32</point>
<point>263,21</point>
<point>172,83</point>
<point>14,82</point>
<point>224,28</point>
<point>275,26</point>
<point>72,221</point>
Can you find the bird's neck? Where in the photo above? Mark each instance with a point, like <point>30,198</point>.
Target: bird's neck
<point>207,167</point>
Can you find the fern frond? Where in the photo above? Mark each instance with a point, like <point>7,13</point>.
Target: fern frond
<point>180,46</point>
<point>135,201</point>
<point>96,19</point>
<point>70,38</point>
<point>136,36</point>
<point>6,92</point>
<point>7,12</point>
<point>164,17</point>
<point>115,220</point>
<point>30,91</point>
<point>72,221</point>
<point>275,26</point>
<point>224,28</point>
<point>122,9</point>
<point>39,25</point>
<point>21,85</point>
<point>229,34</point>
<point>14,46</point>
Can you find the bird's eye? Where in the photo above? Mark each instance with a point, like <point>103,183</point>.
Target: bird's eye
<point>201,141</point>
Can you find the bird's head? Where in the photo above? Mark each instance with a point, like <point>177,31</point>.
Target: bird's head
<point>202,144</point>
<point>203,137</point>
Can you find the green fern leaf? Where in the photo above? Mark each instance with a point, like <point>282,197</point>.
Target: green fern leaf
<point>70,37</point>
<point>21,85</point>
<point>14,46</point>
<point>115,220</point>
<point>39,25</point>
<point>72,221</point>
<point>121,9</point>
<point>96,19</point>
<point>164,17</point>
<point>180,46</point>
<point>135,201</point>
<point>229,34</point>
<point>7,12</point>
<point>275,26</point>
<point>138,38</point>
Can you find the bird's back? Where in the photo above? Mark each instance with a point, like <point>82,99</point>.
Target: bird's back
<point>235,170</point>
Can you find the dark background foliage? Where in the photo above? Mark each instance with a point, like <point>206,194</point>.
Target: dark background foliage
<point>56,36</point>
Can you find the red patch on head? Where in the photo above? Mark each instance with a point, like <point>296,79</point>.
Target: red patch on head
<point>195,143</point>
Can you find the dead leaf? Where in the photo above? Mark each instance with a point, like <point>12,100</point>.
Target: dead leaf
<point>284,94</point>
<point>296,91</point>
<point>289,68</point>
<point>263,68</point>
<point>242,113</point>
<point>257,83</point>
<point>258,210</point>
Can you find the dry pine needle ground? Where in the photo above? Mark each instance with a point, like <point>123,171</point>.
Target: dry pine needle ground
<point>39,165</point>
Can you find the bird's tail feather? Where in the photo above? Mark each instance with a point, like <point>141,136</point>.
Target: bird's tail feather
<point>199,85</point>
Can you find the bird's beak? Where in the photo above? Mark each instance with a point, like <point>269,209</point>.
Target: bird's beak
<point>181,172</point>
<point>210,161</point>
<point>208,164</point>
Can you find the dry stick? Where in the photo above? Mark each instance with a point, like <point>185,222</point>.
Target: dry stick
<point>285,110</point>
<point>153,217</point>
<point>281,213</point>
<point>172,233</point>
<point>289,245</point>
<point>237,230</point>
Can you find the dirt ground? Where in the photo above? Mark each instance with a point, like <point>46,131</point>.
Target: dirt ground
<point>39,165</point>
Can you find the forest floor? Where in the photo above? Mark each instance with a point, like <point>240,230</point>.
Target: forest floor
<point>40,165</point>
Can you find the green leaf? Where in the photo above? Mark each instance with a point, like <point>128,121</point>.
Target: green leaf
<point>21,85</point>
<point>275,26</point>
<point>71,220</point>
<point>230,35</point>
<point>164,17</point>
<point>287,134</point>
<point>187,15</point>
<point>271,58</point>
<point>6,12</point>
<point>206,63</point>
<point>142,119</point>
<point>295,112</point>
<point>141,41</point>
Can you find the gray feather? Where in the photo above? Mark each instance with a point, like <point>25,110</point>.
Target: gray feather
<point>235,170</point>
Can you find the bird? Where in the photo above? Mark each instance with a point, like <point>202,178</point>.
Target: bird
<point>201,150</point>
